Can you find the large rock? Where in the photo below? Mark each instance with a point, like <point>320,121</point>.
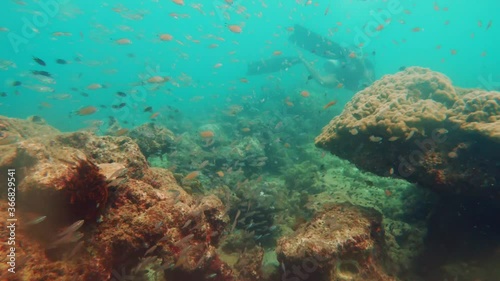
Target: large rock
<point>344,242</point>
<point>153,139</point>
<point>417,125</point>
<point>137,221</point>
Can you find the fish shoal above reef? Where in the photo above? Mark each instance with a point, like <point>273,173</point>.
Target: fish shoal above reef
<point>416,125</point>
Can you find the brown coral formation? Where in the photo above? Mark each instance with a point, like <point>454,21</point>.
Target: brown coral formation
<point>90,208</point>
<point>417,125</point>
<point>341,243</point>
<point>152,139</point>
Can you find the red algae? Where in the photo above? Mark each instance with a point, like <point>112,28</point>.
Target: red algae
<point>86,190</point>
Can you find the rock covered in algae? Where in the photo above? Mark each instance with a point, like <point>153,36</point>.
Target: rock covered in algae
<point>90,208</point>
<point>344,242</point>
<point>417,125</point>
<point>152,139</point>
<point>15,130</point>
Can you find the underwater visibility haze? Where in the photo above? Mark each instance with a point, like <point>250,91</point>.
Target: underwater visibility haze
<point>266,140</point>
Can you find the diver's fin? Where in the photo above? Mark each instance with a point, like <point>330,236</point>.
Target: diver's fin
<point>271,65</point>
<point>316,44</point>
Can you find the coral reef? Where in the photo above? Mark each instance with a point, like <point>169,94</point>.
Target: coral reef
<point>106,149</point>
<point>343,242</point>
<point>25,129</point>
<point>152,139</point>
<point>302,176</point>
<point>415,124</point>
<point>90,208</point>
<point>404,227</point>
<point>249,265</point>
<point>86,190</point>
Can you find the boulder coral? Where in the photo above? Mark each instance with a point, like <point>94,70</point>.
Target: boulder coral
<point>416,125</point>
<point>341,243</point>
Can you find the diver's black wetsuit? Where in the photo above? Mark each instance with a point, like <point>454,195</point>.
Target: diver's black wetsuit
<point>353,73</point>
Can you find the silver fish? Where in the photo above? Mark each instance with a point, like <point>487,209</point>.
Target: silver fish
<point>150,250</point>
<point>72,228</point>
<point>45,79</point>
<point>69,237</point>
<point>40,88</point>
<point>37,220</point>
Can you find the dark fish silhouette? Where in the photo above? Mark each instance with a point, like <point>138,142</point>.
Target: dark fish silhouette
<point>118,106</point>
<point>41,72</point>
<point>148,109</point>
<point>61,61</point>
<point>489,24</point>
<point>39,61</point>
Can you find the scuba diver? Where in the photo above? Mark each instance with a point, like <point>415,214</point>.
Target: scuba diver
<point>341,66</point>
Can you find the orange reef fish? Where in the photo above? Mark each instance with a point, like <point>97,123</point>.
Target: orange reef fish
<point>332,103</point>
<point>95,86</point>
<point>123,41</point>
<point>207,134</point>
<point>235,28</point>
<point>157,79</point>
<point>191,176</point>
<point>166,37</point>
<point>179,2</point>
<point>88,110</point>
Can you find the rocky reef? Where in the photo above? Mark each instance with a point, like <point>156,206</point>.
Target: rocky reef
<point>152,139</point>
<point>416,125</point>
<point>253,199</point>
<point>343,242</point>
<point>91,208</point>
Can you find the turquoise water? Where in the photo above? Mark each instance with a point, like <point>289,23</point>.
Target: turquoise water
<point>95,27</point>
